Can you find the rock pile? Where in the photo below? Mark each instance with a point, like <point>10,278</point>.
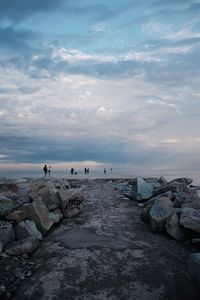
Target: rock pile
<point>28,211</point>
<point>172,207</point>
<point>169,207</point>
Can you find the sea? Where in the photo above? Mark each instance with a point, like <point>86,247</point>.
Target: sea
<point>98,173</point>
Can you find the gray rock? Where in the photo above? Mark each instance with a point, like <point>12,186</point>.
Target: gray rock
<point>144,188</point>
<point>23,246</point>
<point>174,187</point>
<point>194,204</point>
<point>49,195</point>
<point>174,228</point>
<point>190,218</point>
<point>159,213</point>
<point>185,197</point>
<point>65,184</point>
<point>27,228</point>
<point>71,202</point>
<point>6,205</point>
<point>194,268</point>
<point>17,215</point>
<point>56,216</point>
<point>40,215</point>
<point>7,233</point>
<point>162,180</point>
<point>187,181</point>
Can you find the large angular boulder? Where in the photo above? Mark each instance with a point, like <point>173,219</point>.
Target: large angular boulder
<point>159,213</point>
<point>71,202</point>
<point>27,228</point>
<point>24,246</point>
<point>17,194</point>
<point>143,188</point>
<point>7,233</point>
<point>39,213</point>
<point>190,218</point>
<point>49,196</point>
<point>185,197</point>
<point>174,228</point>
<point>6,205</point>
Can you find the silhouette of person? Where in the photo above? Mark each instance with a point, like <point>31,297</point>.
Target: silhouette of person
<point>104,171</point>
<point>45,170</point>
<point>85,171</point>
<point>49,171</point>
<point>72,171</point>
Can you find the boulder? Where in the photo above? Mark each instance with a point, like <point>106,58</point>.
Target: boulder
<point>159,213</point>
<point>194,204</point>
<point>194,268</point>
<point>49,195</point>
<point>65,185</point>
<point>174,228</point>
<point>6,205</point>
<point>7,233</point>
<point>24,246</point>
<point>162,180</point>
<point>190,218</point>
<point>10,187</point>
<point>143,188</point>
<point>185,197</point>
<point>174,187</point>
<point>71,202</point>
<point>40,215</point>
<point>17,215</point>
<point>27,228</point>
<point>186,181</point>
<point>56,216</point>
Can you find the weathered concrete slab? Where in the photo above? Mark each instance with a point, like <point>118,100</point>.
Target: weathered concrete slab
<point>85,238</point>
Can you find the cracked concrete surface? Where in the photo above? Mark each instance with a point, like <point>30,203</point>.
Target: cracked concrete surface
<point>108,253</point>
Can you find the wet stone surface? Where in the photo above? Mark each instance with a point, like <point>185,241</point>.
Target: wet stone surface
<point>108,253</point>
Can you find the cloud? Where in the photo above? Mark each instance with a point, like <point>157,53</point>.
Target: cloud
<point>18,10</point>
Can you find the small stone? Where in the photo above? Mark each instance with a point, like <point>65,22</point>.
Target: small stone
<point>29,274</point>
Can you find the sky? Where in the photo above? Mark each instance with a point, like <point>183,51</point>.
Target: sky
<point>100,83</point>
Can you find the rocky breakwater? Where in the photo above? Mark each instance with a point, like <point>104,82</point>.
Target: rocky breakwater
<point>174,208</point>
<point>29,209</point>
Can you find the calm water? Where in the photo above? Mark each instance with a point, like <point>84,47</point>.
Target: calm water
<point>98,173</point>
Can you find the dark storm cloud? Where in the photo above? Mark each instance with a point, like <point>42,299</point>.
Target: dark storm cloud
<point>26,150</point>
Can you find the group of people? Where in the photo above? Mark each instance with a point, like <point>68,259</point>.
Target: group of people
<point>86,170</point>
<point>47,170</point>
<point>73,171</point>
